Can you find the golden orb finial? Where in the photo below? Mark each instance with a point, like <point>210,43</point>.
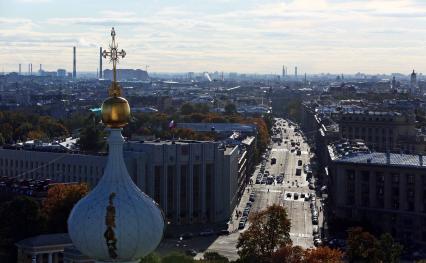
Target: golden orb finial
<point>115,109</point>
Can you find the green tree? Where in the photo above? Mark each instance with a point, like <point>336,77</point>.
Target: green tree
<point>151,258</point>
<point>230,109</point>
<point>362,246</point>
<point>60,200</point>
<point>177,258</point>
<point>20,218</point>
<point>187,108</point>
<point>91,139</point>
<point>268,231</point>
<point>214,257</point>
<point>389,250</point>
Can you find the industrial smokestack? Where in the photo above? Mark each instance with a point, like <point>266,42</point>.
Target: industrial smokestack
<point>31,69</point>
<point>295,72</point>
<point>40,67</point>
<point>100,62</point>
<point>74,69</point>
<point>19,69</point>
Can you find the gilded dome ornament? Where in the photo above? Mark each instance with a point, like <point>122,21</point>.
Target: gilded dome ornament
<point>115,109</point>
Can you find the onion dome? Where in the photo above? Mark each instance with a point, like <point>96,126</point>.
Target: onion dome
<point>116,221</point>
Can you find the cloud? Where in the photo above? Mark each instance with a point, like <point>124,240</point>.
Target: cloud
<point>326,35</point>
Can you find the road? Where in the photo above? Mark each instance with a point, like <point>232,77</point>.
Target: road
<point>266,195</point>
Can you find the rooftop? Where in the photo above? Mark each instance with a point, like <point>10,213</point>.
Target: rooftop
<point>357,152</point>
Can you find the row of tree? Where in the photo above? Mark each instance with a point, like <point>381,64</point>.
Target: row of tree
<point>21,126</point>
<point>267,240</point>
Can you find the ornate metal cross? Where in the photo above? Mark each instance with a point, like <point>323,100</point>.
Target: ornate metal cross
<point>114,54</point>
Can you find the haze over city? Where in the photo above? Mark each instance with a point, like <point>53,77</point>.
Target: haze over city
<point>224,35</point>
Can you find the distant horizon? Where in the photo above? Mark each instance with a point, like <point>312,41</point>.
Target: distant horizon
<point>342,36</point>
<point>300,75</point>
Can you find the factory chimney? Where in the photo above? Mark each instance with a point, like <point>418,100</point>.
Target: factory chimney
<point>100,62</point>
<point>74,68</point>
<point>19,69</point>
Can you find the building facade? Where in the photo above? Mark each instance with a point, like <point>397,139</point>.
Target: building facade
<point>192,181</point>
<point>384,189</point>
<point>381,131</point>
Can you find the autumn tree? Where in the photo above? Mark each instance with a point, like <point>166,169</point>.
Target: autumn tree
<point>323,255</point>
<point>361,246</point>
<point>57,206</point>
<point>288,254</point>
<point>268,231</point>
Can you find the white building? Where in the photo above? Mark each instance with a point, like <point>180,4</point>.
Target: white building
<point>192,181</point>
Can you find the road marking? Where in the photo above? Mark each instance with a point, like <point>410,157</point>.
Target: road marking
<point>299,235</point>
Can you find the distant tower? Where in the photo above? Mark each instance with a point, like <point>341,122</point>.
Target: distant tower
<point>100,62</point>
<point>295,72</point>
<point>393,86</point>
<point>283,71</point>
<point>74,68</point>
<point>413,82</point>
<point>19,69</point>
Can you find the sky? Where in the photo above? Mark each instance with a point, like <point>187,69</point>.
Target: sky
<point>337,36</point>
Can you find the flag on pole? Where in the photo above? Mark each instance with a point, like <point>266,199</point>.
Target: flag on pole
<point>172,124</point>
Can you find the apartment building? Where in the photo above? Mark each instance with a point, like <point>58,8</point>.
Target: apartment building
<point>387,190</point>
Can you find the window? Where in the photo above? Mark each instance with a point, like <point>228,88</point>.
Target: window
<point>395,178</point>
<point>184,149</point>
<point>410,179</point>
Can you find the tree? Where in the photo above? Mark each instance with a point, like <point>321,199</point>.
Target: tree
<point>362,246</point>
<point>323,255</point>
<point>214,257</point>
<point>288,254</point>
<point>57,206</point>
<point>177,258</point>
<point>91,139</point>
<point>187,108</point>
<point>230,109</point>
<point>20,218</point>
<point>389,251</point>
<point>268,231</point>
<point>151,258</point>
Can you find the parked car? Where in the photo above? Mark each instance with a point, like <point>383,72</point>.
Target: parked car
<point>315,230</point>
<point>186,235</point>
<point>288,195</point>
<point>317,242</point>
<point>299,162</point>
<point>207,232</point>
<point>296,196</point>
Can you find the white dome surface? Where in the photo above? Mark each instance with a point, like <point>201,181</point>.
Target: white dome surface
<point>116,221</point>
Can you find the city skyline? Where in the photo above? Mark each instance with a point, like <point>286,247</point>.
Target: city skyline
<point>226,35</point>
